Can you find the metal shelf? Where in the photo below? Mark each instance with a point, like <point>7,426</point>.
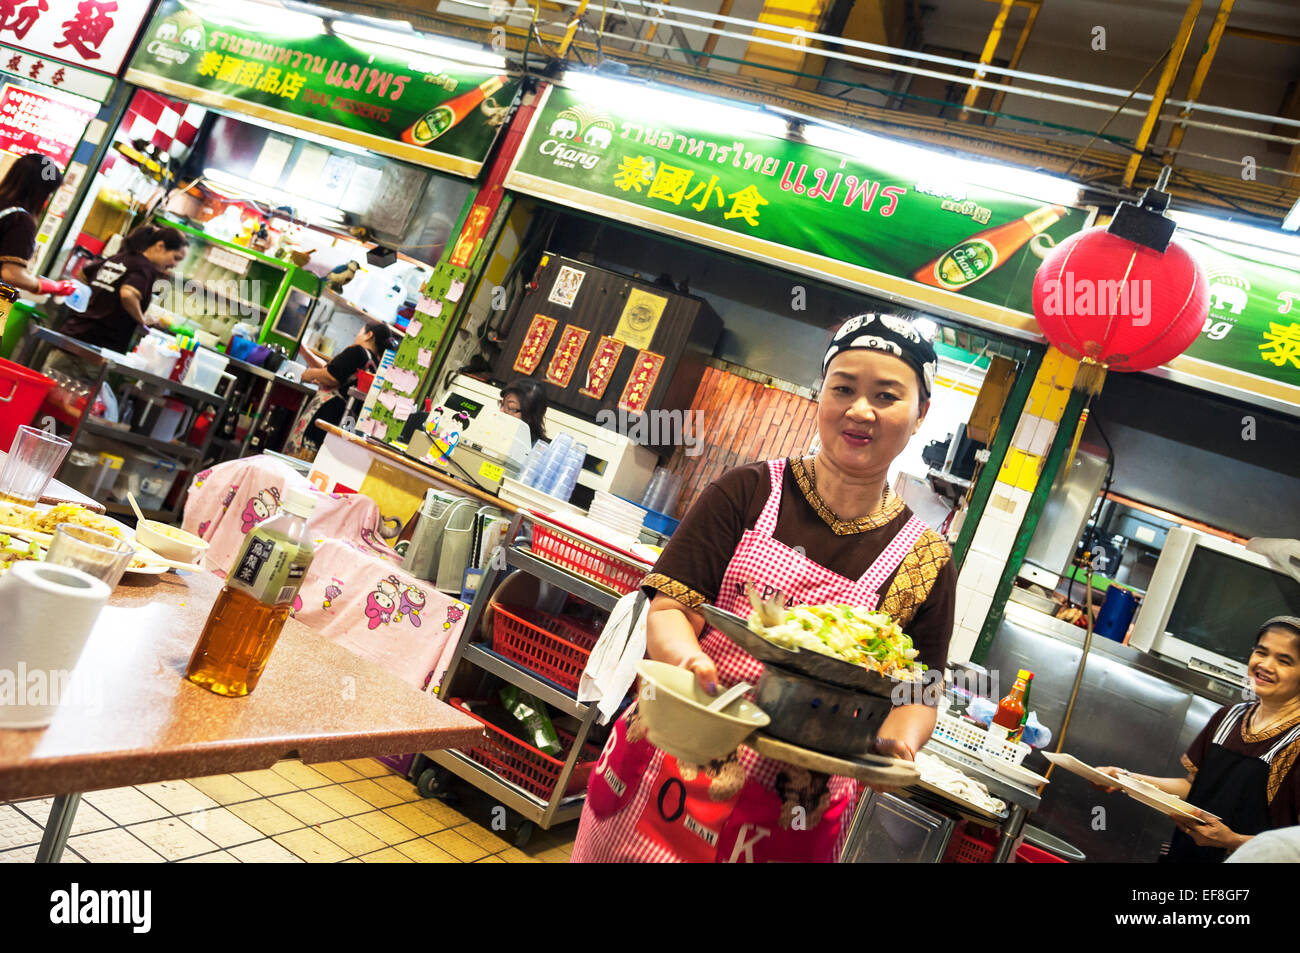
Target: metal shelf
<point>516,798</point>
<point>180,451</point>
<point>573,584</point>
<point>94,356</point>
<point>534,685</point>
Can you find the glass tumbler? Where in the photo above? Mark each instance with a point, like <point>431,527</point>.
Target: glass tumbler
<point>33,458</point>
<point>93,552</point>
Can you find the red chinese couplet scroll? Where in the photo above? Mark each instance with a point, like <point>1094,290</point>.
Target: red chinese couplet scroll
<point>535,341</point>
<point>565,359</point>
<point>636,393</point>
<point>601,369</point>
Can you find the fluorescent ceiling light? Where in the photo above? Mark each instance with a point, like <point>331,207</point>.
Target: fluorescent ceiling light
<point>1292,221</point>
<point>304,208</point>
<point>658,103</point>
<point>420,43</point>
<point>1267,239</point>
<point>258,16</point>
<point>941,168</point>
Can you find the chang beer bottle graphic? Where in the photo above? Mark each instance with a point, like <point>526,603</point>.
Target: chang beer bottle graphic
<point>971,259</point>
<point>441,118</point>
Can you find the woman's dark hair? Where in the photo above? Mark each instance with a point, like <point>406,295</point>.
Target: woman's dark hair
<point>383,335</point>
<point>146,236</point>
<point>532,405</point>
<point>30,182</point>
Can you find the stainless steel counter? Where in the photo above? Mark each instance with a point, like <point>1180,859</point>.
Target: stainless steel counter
<point>1134,710</point>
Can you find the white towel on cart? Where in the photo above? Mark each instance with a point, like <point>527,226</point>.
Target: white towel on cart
<point>611,670</point>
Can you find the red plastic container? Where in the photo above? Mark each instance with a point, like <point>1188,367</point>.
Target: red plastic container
<point>552,646</point>
<point>1029,854</point>
<point>21,394</point>
<point>520,763</point>
<point>364,380</point>
<point>966,848</point>
<point>573,553</point>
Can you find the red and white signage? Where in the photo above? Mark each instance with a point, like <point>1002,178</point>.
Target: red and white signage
<point>95,34</point>
<point>34,122</point>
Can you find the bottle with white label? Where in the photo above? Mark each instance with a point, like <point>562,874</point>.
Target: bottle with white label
<point>246,620</point>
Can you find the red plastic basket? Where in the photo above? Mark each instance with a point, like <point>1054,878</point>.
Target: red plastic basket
<point>582,558</point>
<point>968,847</point>
<point>520,763</point>
<point>552,646</point>
<point>1029,854</point>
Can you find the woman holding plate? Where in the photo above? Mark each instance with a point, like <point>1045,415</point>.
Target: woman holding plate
<point>1244,766</point>
<point>822,528</point>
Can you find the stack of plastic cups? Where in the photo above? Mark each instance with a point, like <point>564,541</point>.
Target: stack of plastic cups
<point>533,465</point>
<point>568,478</point>
<point>557,456</point>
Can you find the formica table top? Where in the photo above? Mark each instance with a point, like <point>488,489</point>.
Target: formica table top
<point>130,717</point>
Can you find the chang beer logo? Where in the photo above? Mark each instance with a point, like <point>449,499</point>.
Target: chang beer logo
<point>1229,296</point>
<point>576,131</point>
<point>176,38</point>
<point>965,262</point>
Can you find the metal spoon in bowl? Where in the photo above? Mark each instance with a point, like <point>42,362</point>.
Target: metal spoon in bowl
<point>729,696</point>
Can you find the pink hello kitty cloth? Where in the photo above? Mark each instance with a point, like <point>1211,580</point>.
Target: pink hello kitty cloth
<point>228,500</point>
<point>366,603</point>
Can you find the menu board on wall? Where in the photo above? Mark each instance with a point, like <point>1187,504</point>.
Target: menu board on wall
<point>33,122</point>
<point>95,34</point>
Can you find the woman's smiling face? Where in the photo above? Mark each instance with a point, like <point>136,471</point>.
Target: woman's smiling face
<point>869,407</point>
<point>1274,666</point>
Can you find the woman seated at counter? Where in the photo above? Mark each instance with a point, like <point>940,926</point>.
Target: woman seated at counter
<point>526,400</point>
<point>335,377</point>
<point>1244,766</point>
<point>821,528</point>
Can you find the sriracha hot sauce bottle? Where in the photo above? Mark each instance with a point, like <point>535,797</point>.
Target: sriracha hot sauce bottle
<point>1007,722</point>
<point>971,259</point>
<point>441,118</point>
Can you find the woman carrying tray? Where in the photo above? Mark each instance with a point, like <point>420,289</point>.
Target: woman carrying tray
<point>821,529</point>
<point>1244,766</point>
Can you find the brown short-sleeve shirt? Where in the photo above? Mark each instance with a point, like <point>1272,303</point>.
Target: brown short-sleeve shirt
<point>920,595</point>
<point>1284,772</point>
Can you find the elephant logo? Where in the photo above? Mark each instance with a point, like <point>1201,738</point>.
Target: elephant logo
<point>193,37</point>
<point>167,31</point>
<point>564,128</point>
<point>1228,292</point>
<point>598,136</point>
<point>584,124</point>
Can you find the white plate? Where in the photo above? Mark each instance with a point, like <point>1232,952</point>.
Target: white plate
<point>1072,764</point>
<point>1013,772</point>
<point>1140,791</point>
<point>149,571</point>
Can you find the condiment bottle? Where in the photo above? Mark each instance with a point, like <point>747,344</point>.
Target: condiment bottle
<point>1007,721</point>
<point>246,620</point>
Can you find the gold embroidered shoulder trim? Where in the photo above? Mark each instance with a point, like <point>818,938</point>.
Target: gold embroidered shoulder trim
<point>674,590</point>
<point>1254,737</point>
<point>1187,763</point>
<point>915,577</point>
<point>892,506</point>
<point>1282,764</point>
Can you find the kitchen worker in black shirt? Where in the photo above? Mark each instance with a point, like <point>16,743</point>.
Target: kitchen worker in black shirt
<point>25,189</point>
<point>334,380</point>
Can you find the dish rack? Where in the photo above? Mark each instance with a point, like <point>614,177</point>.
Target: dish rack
<point>970,737</point>
<point>572,550</point>
<point>552,646</point>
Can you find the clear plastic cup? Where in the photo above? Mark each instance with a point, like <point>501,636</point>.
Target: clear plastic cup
<point>33,459</point>
<point>93,552</point>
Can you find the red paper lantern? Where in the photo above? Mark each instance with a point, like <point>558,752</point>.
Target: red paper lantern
<point>1118,303</point>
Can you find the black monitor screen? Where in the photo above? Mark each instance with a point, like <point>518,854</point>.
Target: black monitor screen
<point>1223,601</point>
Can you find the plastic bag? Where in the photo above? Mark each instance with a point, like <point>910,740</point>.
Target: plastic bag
<point>105,404</point>
<point>529,712</point>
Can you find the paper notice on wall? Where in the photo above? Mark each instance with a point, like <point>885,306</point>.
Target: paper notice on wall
<point>425,357</point>
<point>271,161</point>
<point>306,171</point>
<point>362,189</point>
<point>455,291</point>
<point>430,306</point>
<point>403,381</point>
<point>403,408</point>
<point>414,327</point>
<point>333,182</point>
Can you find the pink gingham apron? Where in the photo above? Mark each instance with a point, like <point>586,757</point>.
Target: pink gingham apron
<point>642,806</point>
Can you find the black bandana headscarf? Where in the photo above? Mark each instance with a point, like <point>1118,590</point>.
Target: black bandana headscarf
<point>891,334</point>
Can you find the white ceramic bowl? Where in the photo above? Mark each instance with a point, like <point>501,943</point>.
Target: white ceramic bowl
<point>170,542</point>
<point>677,718</point>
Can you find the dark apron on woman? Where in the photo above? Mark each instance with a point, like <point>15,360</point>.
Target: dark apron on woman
<point>1231,785</point>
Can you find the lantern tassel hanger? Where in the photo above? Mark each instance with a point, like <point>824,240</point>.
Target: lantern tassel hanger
<point>1090,377</point>
<point>1146,223</point>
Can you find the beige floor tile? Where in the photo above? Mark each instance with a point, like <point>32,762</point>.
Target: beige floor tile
<point>172,838</point>
<point>342,800</point>
<point>336,771</point>
<point>17,829</point>
<point>417,816</point>
<point>488,840</point>
<point>216,857</point>
<point>355,840</point>
<point>371,792</point>
<point>300,774</point>
<point>27,855</point>
<point>225,789</point>
<point>399,786</point>
<point>87,819</point>
<point>423,852</point>
<point>369,767</point>
<point>125,805</point>
<point>384,827</point>
<point>266,817</point>
<point>263,852</point>
<point>490,859</point>
<point>461,848</point>
<point>266,783</point>
<point>311,847</point>
<point>179,797</point>
<point>306,808</point>
<point>116,846</point>
<point>555,855</point>
<point>516,856</point>
<point>222,828</point>
<point>386,856</point>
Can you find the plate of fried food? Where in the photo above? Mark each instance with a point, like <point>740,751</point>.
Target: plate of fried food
<point>26,531</point>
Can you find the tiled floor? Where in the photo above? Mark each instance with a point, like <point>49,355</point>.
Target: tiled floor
<point>324,813</point>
